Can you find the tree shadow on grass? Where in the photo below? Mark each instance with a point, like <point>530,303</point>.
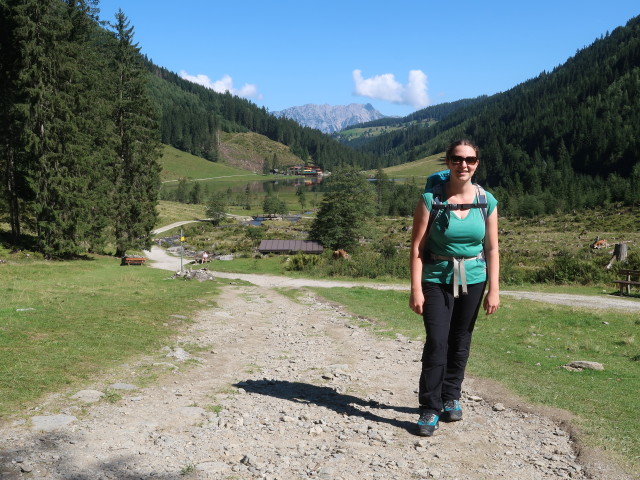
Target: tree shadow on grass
<point>327,397</point>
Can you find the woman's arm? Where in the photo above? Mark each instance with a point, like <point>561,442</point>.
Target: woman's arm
<point>418,237</point>
<point>492,255</point>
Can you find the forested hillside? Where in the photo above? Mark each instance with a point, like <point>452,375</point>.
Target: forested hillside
<point>415,121</point>
<point>192,117</point>
<point>567,139</point>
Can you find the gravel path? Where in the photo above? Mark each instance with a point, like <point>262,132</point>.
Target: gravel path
<point>277,388</point>
<point>160,259</point>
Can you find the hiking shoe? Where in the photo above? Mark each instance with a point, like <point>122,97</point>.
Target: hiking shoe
<point>452,411</point>
<point>427,424</point>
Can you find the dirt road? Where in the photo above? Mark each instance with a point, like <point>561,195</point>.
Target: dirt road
<point>160,259</point>
<point>269,387</point>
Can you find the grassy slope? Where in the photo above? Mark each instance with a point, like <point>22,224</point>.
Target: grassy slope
<point>249,150</point>
<point>353,133</point>
<point>177,164</point>
<point>372,132</point>
<point>419,168</point>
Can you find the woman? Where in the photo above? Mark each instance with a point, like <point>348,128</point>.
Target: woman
<point>465,239</point>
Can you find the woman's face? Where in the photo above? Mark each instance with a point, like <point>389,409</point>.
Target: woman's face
<point>461,163</point>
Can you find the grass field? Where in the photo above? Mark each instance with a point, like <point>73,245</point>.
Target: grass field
<point>369,132</point>
<point>524,346</point>
<point>172,212</point>
<point>250,149</point>
<point>64,323</point>
<point>372,132</point>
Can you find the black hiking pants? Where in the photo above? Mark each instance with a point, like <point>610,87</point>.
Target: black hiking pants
<point>449,323</point>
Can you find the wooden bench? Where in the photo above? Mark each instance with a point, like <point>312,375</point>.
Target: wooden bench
<point>133,260</point>
<point>632,279</point>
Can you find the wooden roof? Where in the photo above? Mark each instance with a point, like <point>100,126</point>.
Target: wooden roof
<point>289,246</point>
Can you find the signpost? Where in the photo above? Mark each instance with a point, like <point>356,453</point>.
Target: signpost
<point>181,249</point>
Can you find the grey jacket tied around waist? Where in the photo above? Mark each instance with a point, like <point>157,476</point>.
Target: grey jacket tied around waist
<point>459,273</point>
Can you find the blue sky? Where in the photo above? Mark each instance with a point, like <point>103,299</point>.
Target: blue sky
<point>399,56</point>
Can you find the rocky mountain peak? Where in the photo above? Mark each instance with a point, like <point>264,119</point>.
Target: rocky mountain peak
<point>328,118</point>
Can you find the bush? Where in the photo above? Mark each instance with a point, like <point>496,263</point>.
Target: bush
<point>388,249</point>
<point>513,271</point>
<point>633,261</point>
<point>570,269</point>
<point>366,264</point>
<point>301,262</point>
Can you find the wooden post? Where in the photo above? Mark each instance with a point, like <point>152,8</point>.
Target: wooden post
<point>620,251</point>
<point>619,254</point>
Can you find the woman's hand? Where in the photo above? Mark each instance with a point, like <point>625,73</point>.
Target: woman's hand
<point>491,302</point>
<point>416,302</point>
<point>418,237</point>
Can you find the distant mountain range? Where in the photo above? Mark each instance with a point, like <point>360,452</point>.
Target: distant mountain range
<point>330,119</point>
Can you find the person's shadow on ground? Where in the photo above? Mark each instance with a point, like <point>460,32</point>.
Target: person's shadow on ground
<point>327,397</point>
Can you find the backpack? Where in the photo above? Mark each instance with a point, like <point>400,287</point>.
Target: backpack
<point>435,184</point>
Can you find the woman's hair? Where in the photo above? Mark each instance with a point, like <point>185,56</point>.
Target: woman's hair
<point>457,143</point>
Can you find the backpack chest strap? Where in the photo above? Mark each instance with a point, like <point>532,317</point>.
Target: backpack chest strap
<point>457,206</point>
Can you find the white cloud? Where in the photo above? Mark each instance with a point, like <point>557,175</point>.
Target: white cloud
<point>223,85</point>
<point>386,87</point>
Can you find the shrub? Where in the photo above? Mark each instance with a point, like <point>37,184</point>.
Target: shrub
<point>633,261</point>
<point>567,269</point>
<point>388,249</point>
<point>302,262</point>
<point>367,264</point>
<point>513,271</point>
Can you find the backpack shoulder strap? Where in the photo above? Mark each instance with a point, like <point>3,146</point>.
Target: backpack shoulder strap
<point>482,201</point>
<point>436,206</point>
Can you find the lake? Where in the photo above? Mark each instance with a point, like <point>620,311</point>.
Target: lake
<point>271,184</point>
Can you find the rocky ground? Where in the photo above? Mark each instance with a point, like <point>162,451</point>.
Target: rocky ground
<point>271,387</point>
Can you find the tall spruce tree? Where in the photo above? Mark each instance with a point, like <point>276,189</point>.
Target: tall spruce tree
<point>135,167</point>
<point>50,161</point>
<point>94,118</point>
<point>9,124</point>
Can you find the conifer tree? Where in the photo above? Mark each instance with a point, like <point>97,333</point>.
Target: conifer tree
<point>302,198</point>
<point>53,102</point>
<point>9,124</point>
<point>345,210</point>
<point>383,188</point>
<point>136,171</point>
<point>216,207</point>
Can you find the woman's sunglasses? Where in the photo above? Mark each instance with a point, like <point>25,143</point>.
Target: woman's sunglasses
<point>457,160</point>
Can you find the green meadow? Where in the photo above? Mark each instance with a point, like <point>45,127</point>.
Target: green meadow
<point>172,212</point>
<point>64,324</point>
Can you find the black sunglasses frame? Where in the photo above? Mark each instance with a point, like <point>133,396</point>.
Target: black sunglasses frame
<point>457,160</point>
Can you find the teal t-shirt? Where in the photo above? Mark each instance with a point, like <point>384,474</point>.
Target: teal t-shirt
<point>462,238</point>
